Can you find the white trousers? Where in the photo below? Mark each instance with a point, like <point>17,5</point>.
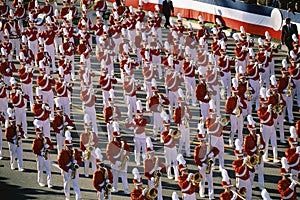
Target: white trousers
<point>46,127</point>
<point>65,103</point>
<point>139,144</point>
<point>204,110</point>
<point>268,132</point>
<point>48,98</point>
<point>247,184</point>
<point>289,107</point>
<point>4,106</point>
<point>218,142</point>
<point>123,174</point>
<point>159,188</point>
<point>237,124</point>
<point>190,86</point>
<point>27,89</point>
<point>67,181</point>
<point>131,103</point>
<point>21,118</point>
<point>60,142</point>
<point>255,97</point>
<point>297,83</point>
<point>184,139</point>
<point>210,182</point>
<point>226,82</point>
<point>172,96</point>
<point>157,123</point>
<point>16,152</point>
<point>41,164</point>
<point>91,111</point>
<point>92,160</point>
<point>50,49</point>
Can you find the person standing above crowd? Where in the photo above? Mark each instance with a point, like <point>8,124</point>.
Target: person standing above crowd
<point>286,35</point>
<point>167,10</point>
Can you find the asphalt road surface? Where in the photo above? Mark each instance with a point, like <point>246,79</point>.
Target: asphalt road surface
<point>23,185</point>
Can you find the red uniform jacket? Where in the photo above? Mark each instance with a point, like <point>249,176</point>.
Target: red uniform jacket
<point>285,191</point>
<point>201,92</point>
<point>38,145</point>
<point>60,122</point>
<point>18,98</point>
<point>149,168</point>
<point>41,113</point>
<point>45,82</point>
<point>241,171</point>
<point>168,140</point>
<point>250,145</point>
<point>66,157</point>
<point>11,133</point>
<point>100,178</point>
<point>62,89</point>
<point>186,186</point>
<point>266,118</point>
<point>114,148</point>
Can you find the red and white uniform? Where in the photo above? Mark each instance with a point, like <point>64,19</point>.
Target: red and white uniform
<point>48,37</point>
<point>202,58</point>
<point>17,98</point>
<point>14,34</point>
<point>191,41</point>
<point>66,159</point>
<point>170,152</point>
<point>240,53</point>
<point>267,118</point>
<point>41,112</point>
<point>59,124</point>
<point>234,105</point>
<point>190,82</point>
<point>149,73</point>
<point>3,100</point>
<point>88,99</point>
<point>21,15</point>
<point>89,140</point>
<point>295,74</point>
<point>113,154</point>
<point>106,81</point>
<point>69,51</point>
<point>41,148</point>
<point>14,135</point>
<point>212,76</point>
<point>62,88</point>
<point>130,89</point>
<point>182,116</point>
<point>45,83</point>
<point>84,50</point>
<point>225,63</point>
<point>43,60</point>
<point>263,61</point>
<point>242,174</point>
<point>26,57</point>
<point>202,95</point>
<point>188,189</point>
<point>101,177</point>
<point>286,189</point>
<point>7,68</point>
<point>31,34</point>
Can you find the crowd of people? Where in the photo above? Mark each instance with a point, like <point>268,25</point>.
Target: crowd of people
<point>194,73</point>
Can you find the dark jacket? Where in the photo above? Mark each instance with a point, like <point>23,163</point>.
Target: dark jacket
<point>167,8</point>
<point>286,36</point>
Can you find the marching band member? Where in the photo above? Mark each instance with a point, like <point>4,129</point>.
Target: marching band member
<point>191,41</point>
<point>286,187</point>
<point>31,33</point>
<point>277,101</point>
<point>41,146</point>
<point>254,146</point>
<point>221,34</point>
<point>69,160</point>
<point>14,134</point>
<point>117,152</point>
<point>6,46</point>
<point>17,97</point>
<point>102,178</point>
<point>26,75</point>
<point>26,56</point>
<point>170,138</point>
<point>203,31</point>
<point>263,62</point>
<point>60,124</point>
<point>41,112</point>
<point>48,37</point>
<point>156,105</point>
<point>106,81</point>
<point>225,63</point>
<point>138,41</point>
<point>295,74</point>
<point>153,167</point>
<point>215,45</point>
<point>14,33</point>
<point>88,99</point>
<point>2,121</point>
<point>182,116</point>
<point>88,144</point>
<point>203,157</point>
<point>86,75</point>
<point>215,129</point>
<point>189,68</point>
<point>267,117</point>
<point>157,23</point>
<point>180,28</point>
<point>253,72</point>
<point>139,123</point>
<point>85,19</point>
<point>3,98</point>
<point>240,52</point>
<point>62,88</point>
<point>130,86</point>
<point>45,83</point>
<point>270,49</point>
<point>64,67</point>
<point>140,13</point>
<point>203,95</point>
<point>84,50</point>
<point>234,106</point>
<point>172,79</point>
<point>69,51</point>
<point>202,56</point>
<point>185,180</point>
<point>111,113</point>
<point>242,168</point>
<point>212,82</point>
<point>285,87</point>
<point>42,58</point>
<point>138,191</point>
<point>7,68</point>
<point>292,142</point>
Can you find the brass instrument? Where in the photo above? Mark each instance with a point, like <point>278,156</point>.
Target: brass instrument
<point>224,121</point>
<point>196,178</point>
<point>123,158</point>
<point>186,118</point>
<point>152,193</point>
<point>251,163</point>
<point>209,163</point>
<point>19,137</point>
<point>90,6</point>
<point>237,107</point>
<point>207,91</point>
<point>74,166</point>
<point>248,92</point>
<point>107,186</point>
<point>89,148</point>
<point>289,88</point>
<point>46,150</point>
<point>240,193</point>
<point>52,2</point>
<point>175,134</point>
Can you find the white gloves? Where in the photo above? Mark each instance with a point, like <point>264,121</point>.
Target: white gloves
<point>210,155</point>
<point>152,179</point>
<point>124,152</point>
<point>43,106</point>
<point>70,170</point>
<point>244,48</point>
<point>144,192</point>
<point>206,97</point>
<point>74,161</point>
<point>7,70</point>
<point>45,76</point>
<point>42,153</point>
<point>269,107</point>
<point>118,163</point>
<point>46,146</point>
<point>245,160</point>
<point>189,177</point>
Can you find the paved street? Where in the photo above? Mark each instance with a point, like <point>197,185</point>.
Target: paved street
<point>23,185</point>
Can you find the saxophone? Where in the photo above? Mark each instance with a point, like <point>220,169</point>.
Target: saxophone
<point>289,88</point>
<point>123,158</point>
<point>46,150</point>
<point>107,186</point>
<point>248,92</point>
<point>74,166</point>
<point>278,108</point>
<point>89,148</point>
<point>19,137</point>
<point>239,112</point>
<point>186,119</point>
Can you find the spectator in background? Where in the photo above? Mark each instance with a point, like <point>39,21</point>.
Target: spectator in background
<point>293,6</point>
<point>287,31</point>
<point>118,2</point>
<point>167,10</point>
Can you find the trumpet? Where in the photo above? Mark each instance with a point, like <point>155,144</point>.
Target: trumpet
<point>209,163</point>
<point>175,134</point>
<point>196,178</point>
<point>251,163</point>
<point>152,193</point>
<point>88,152</point>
